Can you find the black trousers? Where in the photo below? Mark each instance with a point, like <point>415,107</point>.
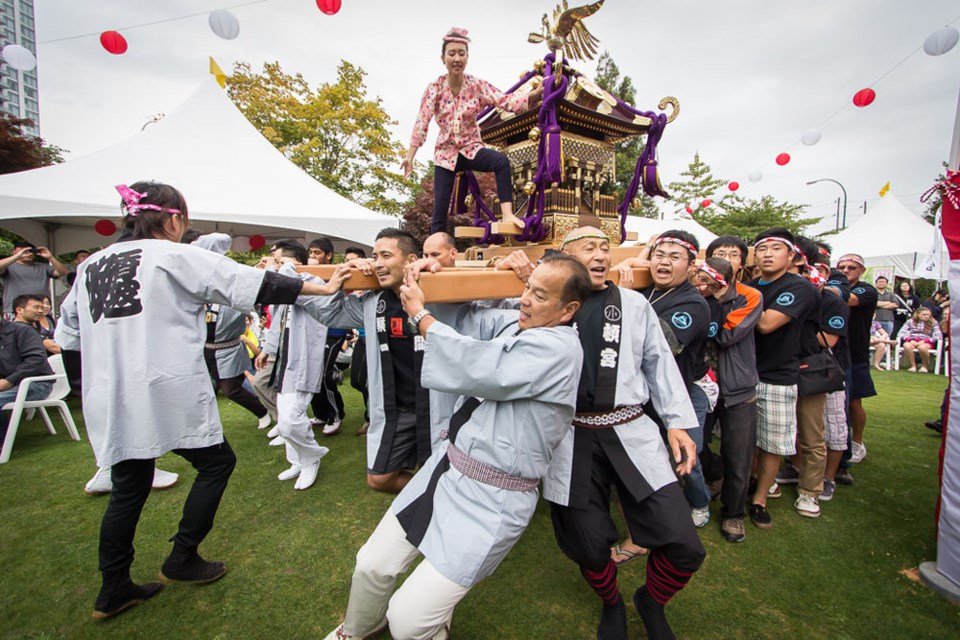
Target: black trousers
<point>327,404</point>
<point>358,373</point>
<point>233,387</point>
<point>132,480</point>
<point>738,440</point>
<point>661,521</point>
<point>485,160</point>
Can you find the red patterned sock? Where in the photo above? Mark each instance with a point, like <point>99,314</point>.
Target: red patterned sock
<point>663,580</point>
<point>604,583</point>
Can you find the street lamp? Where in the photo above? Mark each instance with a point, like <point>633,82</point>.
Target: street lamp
<point>157,117</point>
<point>844,198</point>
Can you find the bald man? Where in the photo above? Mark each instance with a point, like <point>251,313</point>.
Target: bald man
<point>442,247</point>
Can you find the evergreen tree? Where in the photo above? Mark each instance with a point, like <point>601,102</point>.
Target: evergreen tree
<point>744,218</point>
<point>698,185</point>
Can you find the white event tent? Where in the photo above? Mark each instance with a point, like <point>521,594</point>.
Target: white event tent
<point>890,235</point>
<point>646,227</point>
<point>234,181</point>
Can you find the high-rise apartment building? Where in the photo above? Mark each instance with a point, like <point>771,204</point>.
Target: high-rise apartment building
<point>18,89</point>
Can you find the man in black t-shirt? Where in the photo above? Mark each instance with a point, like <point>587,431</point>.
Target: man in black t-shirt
<point>787,300</point>
<point>863,302</point>
<point>685,319</point>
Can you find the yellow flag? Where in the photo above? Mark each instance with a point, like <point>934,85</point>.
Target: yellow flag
<point>885,188</point>
<point>218,73</point>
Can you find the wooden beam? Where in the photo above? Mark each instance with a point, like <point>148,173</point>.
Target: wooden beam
<point>468,232</point>
<point>506,228</point>
<point>458,285</point>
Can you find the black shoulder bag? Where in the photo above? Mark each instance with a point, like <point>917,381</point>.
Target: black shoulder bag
<point>820,373</point>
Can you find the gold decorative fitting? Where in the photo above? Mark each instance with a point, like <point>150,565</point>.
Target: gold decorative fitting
<point>635,203</point>
<point>469,200</point>
<point>539,65</point>
<point>673,102</point>
<point>529,188</point>
<point>534,134</point>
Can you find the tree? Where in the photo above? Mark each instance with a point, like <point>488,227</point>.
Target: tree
<point>737,216</point>
<point>626,151</point>
<point>699,185</point>
<point>335,133</point>
<point>19,151</point>
<point>419,213</point>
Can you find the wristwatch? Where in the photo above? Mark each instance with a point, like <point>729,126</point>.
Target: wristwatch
<point>414,322</point>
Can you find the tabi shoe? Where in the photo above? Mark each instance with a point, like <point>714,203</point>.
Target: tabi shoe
<point>119,593</point>
<point>332,429</point>
<point>760,517</point>
<point>308,472</point>
<point>788,475</point>
<point>289,474</point>
<point>613,622</point>
<point>653,616</point>
<point>164,479</point>
<point>807,506</point>
<point>184,564</point>
<point>936,425</point>
<point>843,477</point>
<point>100,483</point>
<point>274,432</point>
<point>264,422</point>
<point>858,452</point>
<point>277,442</point>
<point>732,529</point>
<point>701,516</point>
<point>338,634</point>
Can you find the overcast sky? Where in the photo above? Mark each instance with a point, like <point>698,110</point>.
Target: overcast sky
<point>750,75</point>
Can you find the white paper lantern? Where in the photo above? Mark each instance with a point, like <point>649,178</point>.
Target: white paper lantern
<point>19,57</point>
<point>240,244</point>
<point>224,24</point>
<point>941,41</point>
<point>811,137</point>
<point>755,176</point>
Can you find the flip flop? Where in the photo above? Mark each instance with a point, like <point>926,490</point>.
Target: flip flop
<point>629,555</point>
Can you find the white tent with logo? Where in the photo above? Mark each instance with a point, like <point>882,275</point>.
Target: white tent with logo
<point>890,235</point>
<point>233,179</point>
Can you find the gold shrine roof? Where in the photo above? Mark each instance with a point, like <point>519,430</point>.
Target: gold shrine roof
<point>586,108</point>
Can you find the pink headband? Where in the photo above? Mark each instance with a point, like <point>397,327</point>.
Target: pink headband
<point>713,273</point>
<point>789,244</point>
<point>457,34</point>
<point>686,245</point>
<point>131,200</point>
<point>852,257</point>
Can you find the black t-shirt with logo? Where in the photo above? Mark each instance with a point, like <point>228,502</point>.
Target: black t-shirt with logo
<point>861,317</point>
<point>685,319</point>
<point>838,280</point>
<point>778,352</point>
<point>400,341</point>
<point>834,319</point>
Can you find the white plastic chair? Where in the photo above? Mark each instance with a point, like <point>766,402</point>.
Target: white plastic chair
<point>60,390</point>
<point>936,354</point>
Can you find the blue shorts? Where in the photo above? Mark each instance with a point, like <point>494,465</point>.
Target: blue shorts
<point>861,384</point>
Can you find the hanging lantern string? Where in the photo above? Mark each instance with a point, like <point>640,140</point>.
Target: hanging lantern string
<point>150,24</point>
<point>847,103</point>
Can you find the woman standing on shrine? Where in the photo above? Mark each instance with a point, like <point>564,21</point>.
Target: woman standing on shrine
<point>454,100</point>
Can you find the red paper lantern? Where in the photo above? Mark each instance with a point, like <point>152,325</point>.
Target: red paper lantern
<point>113,42</point>
<point>257,242</point>
<point>689,210</point>
<point>733,186</point>
<point>864,97</point>
<point>105,227</point>
<point>706,203</point>
<point>329,7</point>
<point>783,159</point>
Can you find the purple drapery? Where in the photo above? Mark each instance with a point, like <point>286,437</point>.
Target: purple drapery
<point>466,183</point>
<point>646,170</point>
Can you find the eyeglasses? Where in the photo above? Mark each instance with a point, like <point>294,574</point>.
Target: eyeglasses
<point>847,267</point>
<point>727,255</point>
<point>703,280</point>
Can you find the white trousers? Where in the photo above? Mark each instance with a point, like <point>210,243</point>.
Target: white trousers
<point>420,608</point>
<point>294,425</point>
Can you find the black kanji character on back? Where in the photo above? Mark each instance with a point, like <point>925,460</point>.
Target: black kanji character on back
<point>113,286</point>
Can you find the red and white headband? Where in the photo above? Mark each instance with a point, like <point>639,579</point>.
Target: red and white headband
<point>852,257</point>
<point>686,245</point>
<point>457,34</point>
<point>789,245</point>
<point>131,201</point>
<point>713,273</point>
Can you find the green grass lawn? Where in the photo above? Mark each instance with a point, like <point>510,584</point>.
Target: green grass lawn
<point>291,554</point>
